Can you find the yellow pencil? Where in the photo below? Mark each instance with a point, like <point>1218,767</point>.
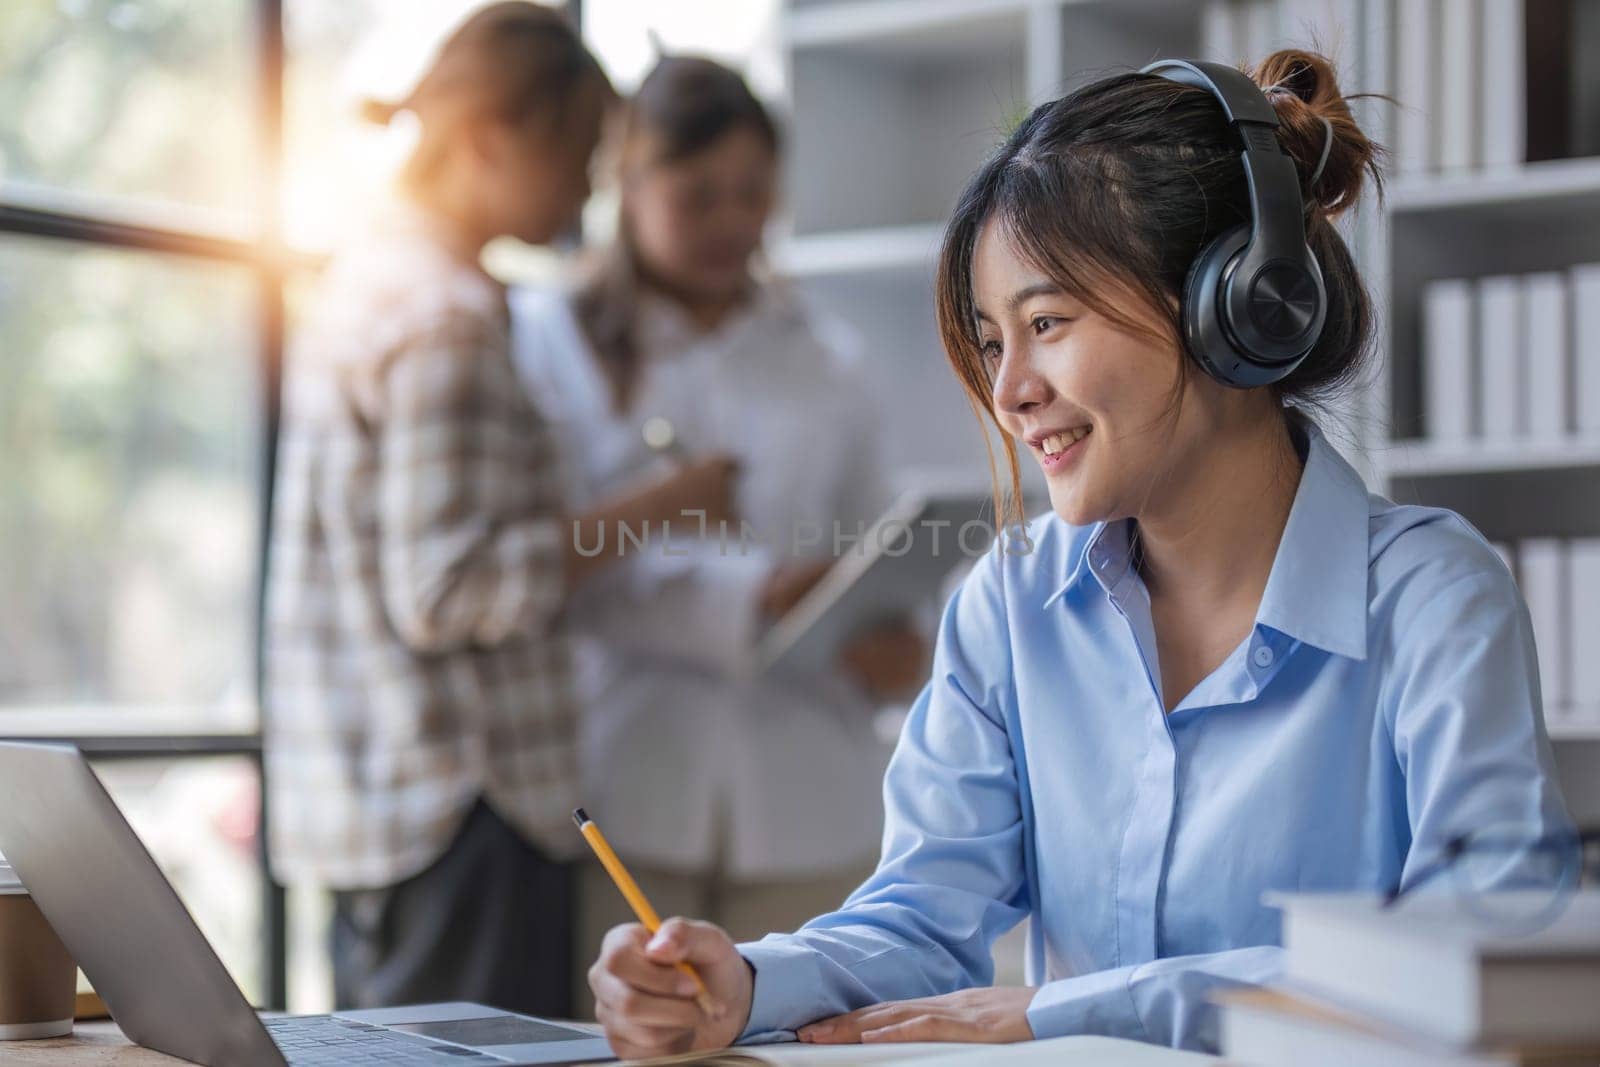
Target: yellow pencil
<point>634,895</point>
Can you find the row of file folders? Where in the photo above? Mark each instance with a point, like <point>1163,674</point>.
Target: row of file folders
<point>1478,84</point>
<point>1512,357</point>
<point>1560,580</point>
<point>1483,84</point>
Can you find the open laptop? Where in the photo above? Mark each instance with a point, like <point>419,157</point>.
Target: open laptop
<point>119,917</point>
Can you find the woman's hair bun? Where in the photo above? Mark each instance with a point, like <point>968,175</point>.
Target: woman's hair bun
<point>1304,90</point>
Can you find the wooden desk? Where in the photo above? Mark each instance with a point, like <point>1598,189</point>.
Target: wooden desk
<point>98,1043</point>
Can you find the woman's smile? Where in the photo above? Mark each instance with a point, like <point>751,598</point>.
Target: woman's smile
<point>1058,449</point>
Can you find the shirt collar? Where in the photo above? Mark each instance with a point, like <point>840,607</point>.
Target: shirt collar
<point>1317,591</point>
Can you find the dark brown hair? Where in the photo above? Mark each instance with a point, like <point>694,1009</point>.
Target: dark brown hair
<point>684,106</point>
<point>508,62</point>
<point>1117,186</point>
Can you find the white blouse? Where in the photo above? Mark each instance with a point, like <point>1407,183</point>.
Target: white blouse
<point>689,761</point>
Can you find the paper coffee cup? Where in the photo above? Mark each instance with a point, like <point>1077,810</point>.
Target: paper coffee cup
<point>38,980</point>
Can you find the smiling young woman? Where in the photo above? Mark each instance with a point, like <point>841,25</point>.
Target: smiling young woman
<point>1225,668</point>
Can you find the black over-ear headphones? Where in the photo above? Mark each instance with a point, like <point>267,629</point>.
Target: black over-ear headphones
<point>1254,302</point>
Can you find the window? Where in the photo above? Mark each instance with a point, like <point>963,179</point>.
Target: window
<point>141,325</point>
<point>136,101</point>
<point>198,818</point>
<point>130,433</point>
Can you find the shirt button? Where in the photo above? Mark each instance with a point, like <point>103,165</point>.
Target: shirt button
<point>1262,656</point>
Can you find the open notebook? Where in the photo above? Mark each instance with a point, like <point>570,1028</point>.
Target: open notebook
<point>1055,1052</point>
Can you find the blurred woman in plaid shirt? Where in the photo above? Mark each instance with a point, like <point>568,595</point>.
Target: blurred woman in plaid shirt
<point>419,728</point>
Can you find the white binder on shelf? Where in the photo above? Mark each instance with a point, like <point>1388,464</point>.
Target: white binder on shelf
<point>1583,630</point>
<point>1218,40</point>
<point>1547,347</point>
<point>1261,35</point>
<point>1503,86</point>
<point>1447,360</point>
<point>1460,79</point>
<point>1542,564</point>
<point>1586,348</point>
<point>1501,370</point>
<point>1376,45</point>
<point>1415,148</point>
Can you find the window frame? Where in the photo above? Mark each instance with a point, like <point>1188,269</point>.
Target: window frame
<point>26,213</point>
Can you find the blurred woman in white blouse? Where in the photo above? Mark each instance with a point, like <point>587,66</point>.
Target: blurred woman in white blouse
<point>749,800</point>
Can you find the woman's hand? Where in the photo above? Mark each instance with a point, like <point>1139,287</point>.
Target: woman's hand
<point>888,661</point>
<point>701,484</point>
<point>647,1005</point>
<point>996,1015</point>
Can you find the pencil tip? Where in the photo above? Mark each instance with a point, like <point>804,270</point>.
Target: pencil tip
<point>580,817</point>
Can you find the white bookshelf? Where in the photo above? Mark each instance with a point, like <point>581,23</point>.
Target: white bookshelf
<point>1477,222</point>
<point>893,104</point>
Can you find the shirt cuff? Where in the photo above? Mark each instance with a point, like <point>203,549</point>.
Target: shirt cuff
<point>1096,1003</point>
<point>787,991</point>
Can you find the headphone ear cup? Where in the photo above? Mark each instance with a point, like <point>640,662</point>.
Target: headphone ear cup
<point>1203,331</point>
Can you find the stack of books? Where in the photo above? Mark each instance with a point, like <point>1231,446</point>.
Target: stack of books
<point>1426,983</point>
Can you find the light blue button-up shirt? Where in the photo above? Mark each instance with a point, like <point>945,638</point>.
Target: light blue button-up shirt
<point>1386,698</point>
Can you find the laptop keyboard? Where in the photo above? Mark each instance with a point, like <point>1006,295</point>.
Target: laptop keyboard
<point>314,1040</point>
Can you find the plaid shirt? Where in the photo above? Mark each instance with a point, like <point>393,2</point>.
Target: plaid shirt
<point>412,659</point>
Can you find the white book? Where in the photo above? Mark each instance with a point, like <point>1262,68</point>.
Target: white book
<point>1376,48</point>
<point>1503,87</point>
<point>1583,629</point>
<point>1501,372</point>
<point>1447,360</point>
<point>1261,36</point>
<point>1334,26</point>
<point>1218,42</point>
<point>1460,68</point>
<point>1415,64</point>
<point>1586,348</point>
<point>1431,966</point>
<point>1542,566</point>
<point>1270,1026</point>
<point>1547,348</point>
